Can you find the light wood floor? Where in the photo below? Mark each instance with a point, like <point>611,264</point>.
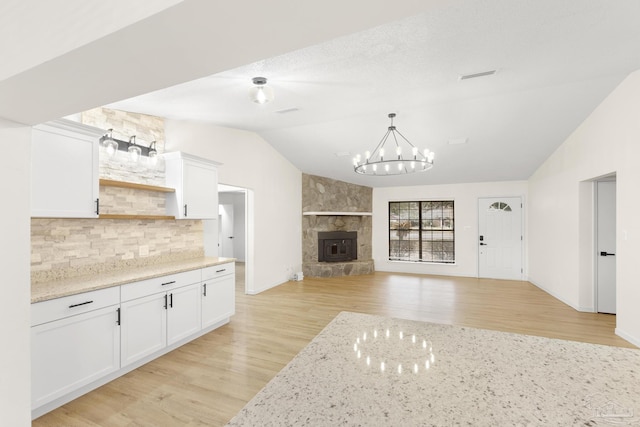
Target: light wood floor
<point>206,382</point>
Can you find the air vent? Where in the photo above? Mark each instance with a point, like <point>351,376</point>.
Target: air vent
<point>457,141</point>
<point>288,110</point>
<point>342,154</point>
<point>476,75</point>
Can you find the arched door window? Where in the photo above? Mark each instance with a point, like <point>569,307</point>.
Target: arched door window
<point>499,206</point>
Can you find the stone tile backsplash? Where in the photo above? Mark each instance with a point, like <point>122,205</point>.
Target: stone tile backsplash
<point>116,200</point>
<point>68,247</point>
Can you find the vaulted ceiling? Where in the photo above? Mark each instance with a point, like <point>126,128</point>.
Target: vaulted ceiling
<point>337,70</point>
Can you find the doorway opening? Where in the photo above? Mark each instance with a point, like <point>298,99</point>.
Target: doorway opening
<point>235,230</point>
<point>605,245</point>
<point>597,233</point>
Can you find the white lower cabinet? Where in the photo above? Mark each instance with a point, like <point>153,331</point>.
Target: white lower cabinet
<point>184,313</point>
<point>69,353</point>
<point>82,341</point>
<point>143,327</point>
<point>218,299</point>
<point>156,321</point>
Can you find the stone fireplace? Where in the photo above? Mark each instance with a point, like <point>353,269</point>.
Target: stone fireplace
<point>336,228</point>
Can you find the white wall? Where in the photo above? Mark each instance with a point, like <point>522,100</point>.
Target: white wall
<point>15,375</point>
<point>250,162</point>
<point>608,141</point>
<point>465,197</point>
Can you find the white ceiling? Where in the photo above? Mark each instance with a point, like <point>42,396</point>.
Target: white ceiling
<point>556,61</point>
<point>35,31</point>
<point>344,72</point>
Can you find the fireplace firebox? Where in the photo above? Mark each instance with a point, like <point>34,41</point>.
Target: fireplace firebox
<point>337,246</point>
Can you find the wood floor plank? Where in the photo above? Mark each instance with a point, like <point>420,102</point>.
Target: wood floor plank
<point>207,381</point>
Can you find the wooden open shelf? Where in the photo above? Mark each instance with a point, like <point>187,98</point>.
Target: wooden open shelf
<point>134,185</point>
<point>127,216</point>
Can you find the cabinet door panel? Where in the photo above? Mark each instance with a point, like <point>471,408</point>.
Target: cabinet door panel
<point>72,352</point>
<point>200,191</point>
<point>218,302</point>
<point>64,178</point>
<point>144,329</point>
<point>196,182</point>
<point>184,313</point>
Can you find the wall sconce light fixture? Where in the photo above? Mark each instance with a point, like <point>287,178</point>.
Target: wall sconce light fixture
<point>135,150</point>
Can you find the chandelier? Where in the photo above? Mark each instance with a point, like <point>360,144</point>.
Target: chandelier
<point>396,160</point>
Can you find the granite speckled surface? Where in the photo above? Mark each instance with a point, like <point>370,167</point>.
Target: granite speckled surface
<point>476,378</point>
<point>47,290</point>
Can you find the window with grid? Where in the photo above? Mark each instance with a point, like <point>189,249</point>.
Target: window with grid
<point>422,231</point>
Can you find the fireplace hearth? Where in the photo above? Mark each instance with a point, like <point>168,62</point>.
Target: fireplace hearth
<point>337,246</point>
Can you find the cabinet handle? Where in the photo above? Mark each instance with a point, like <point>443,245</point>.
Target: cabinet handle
<point>220,271</point>
<point>205,289</point>
<point>185,211</point>
<point>118,321</point>
<point>165,301</point>
<point>169,283</point>
<point>82,303</point>
<point>97,206</point>
<point>171,300</point>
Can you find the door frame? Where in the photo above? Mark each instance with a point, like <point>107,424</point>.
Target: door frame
<point>249,232</point>
<point>522,233</point>
<point>594,257</point>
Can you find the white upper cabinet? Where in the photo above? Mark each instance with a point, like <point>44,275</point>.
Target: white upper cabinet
<point>196,182</point>
<point>64,170</point>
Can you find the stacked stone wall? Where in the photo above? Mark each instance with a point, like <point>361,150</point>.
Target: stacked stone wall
<point>320,194</point>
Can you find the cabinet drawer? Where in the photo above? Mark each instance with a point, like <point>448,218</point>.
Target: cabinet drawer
<point>218,270</point>
<point>48,311</point>
<point>159,284</point>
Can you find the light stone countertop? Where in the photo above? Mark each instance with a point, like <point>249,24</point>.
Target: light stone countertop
<point>60,288</point>
<point>365,370</point>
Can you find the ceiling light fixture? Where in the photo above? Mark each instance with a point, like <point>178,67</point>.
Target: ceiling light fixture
<point>113,145</point>
<point>260,93</point>
<point>395,162</point>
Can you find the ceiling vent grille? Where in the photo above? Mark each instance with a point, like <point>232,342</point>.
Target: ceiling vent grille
<point>476,75</point>
<point>287,110</point>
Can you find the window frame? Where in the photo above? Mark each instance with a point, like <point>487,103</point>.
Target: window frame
<point>421,229</point>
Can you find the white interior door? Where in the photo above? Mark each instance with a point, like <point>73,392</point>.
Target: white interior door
<point>226,230</point>
<point>500,238</point>
<point>606,247</point>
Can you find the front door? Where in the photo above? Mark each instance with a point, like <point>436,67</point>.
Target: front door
<point>606,247</point>
<point>500,238</point>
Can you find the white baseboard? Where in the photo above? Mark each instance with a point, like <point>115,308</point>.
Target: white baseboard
<point>624,335</point>
<point>553,294</point>
<point>273,285</point>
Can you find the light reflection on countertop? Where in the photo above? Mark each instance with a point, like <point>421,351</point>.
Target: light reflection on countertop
<point>383,350</point>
